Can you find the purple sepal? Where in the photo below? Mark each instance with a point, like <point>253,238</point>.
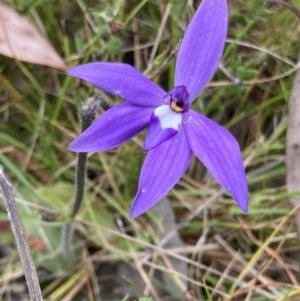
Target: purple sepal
<point>121,80</point>
<point>219,151</point>
<point>112,128</point>
<point>202,47</point>
<point>162,169</point>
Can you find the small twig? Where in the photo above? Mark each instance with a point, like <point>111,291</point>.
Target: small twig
<point>88,16</point>
<point>87,116</point>
<point>185,251</point>
<point>21,239</point>
<point>261,49</point>
<point>166,61</point>
<point>235,80</point>
<point>291,7</point>
<point>240,259</point>
<point>35,135</point>
<point>159,34</point>
<point>185,222</point>
<point>257,81</point>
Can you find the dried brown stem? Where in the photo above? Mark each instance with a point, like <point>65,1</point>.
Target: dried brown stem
<point>166,61</point>
<point>20,238</point>
<point>293,146</point>
<point>291,7</point>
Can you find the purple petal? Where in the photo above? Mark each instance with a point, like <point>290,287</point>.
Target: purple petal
<point>202,47</point>
<point>220,153</point>
<point>112,128</point>
<point>121,80</point>
<point>162,169</point>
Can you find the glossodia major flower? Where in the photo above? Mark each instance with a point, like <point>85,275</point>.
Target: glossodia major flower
<point>175,131</point>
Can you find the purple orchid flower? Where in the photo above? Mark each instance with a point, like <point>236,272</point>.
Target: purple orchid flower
<point>175,131</point>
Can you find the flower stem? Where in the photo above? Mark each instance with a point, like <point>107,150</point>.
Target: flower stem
<point>87,116</point>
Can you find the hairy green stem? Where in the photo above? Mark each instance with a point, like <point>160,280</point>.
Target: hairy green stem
<point>87,116</point>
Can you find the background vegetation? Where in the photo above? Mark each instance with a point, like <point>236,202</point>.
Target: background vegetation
<point>224,254</point>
